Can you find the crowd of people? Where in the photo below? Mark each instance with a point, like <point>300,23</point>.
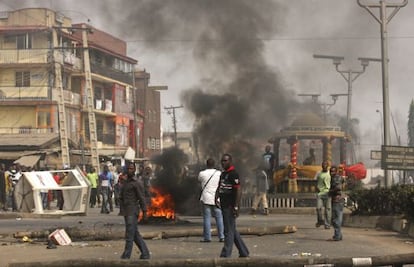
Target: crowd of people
<point>8,180</point>
<point>128,189</point>
<point>106,185</point>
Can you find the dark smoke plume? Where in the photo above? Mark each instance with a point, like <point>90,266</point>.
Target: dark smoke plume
<point>172,178</point>
<point>239,98</point>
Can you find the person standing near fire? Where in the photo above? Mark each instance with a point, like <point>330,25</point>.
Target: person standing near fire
<point>228,197</point>
<point>131,201</point>
<point>209,180</point>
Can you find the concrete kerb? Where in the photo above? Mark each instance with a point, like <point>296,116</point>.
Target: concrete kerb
<point>393,223</point>
<point>395,260</point>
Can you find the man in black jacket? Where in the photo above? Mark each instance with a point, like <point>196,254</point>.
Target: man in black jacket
<point>131,199</point>
<point>228,196</point>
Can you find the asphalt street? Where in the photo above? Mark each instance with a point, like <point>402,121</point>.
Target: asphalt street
<point>307,241</point>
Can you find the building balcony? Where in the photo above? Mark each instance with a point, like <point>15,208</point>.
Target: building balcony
<point>25,130</point>
<point>39,56</point>
<point>111,73</point>
<point>24,56</point>
<point>8,93</point>
<point>102,107</point>
<point>68,96</point>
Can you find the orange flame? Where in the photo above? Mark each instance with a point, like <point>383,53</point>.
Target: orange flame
<point>162,204</point>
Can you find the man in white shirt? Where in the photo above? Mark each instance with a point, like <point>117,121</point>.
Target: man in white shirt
<point>209,180</point>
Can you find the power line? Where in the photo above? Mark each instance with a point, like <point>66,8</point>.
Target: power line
<point>270,39</point>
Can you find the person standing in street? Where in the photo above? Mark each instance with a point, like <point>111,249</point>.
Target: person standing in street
<point>228,196</point>
<point>93,179</point>
<point>105,182</point>
<point>269,165</point>
<point>338,201</point>
<point>209,180</point>
<point>131,201</point>
<point>323,201</point>
<point>261,186</point>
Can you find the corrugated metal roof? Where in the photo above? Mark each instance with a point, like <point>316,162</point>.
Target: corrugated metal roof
<point>28,161</point>
<point>27,140</point>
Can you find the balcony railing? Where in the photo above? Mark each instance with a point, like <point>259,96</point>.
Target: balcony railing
<point>21,56</point>
<point>68,96</point>
<point>111,73</point>
<point>106,105</point>
<point>39,56</point>
<point>24,130</point>
<point>24,93</point>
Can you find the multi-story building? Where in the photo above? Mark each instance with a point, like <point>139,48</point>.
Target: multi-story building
<point>67,80</point>
<point>149,108</point>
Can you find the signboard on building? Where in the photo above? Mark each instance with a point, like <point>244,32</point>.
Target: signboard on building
<point>397,158</point>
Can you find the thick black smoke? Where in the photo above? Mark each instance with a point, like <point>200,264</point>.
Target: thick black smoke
<point>239,97</point>
<point>172,178</point>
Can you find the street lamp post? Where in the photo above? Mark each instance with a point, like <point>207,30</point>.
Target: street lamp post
<point>350,76</point>
<point>325,106</point>
<point>383,19</point>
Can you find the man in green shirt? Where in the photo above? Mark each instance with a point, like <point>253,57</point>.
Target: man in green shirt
<point>93,179</point>
<point>323,200</point>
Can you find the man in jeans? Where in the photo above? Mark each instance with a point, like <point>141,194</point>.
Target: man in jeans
<point>131,200</point>
<point>323,201</point>
<point>209,179</point>
<point>229,193</point>
<point>338,200</point>
<point>105,182</point>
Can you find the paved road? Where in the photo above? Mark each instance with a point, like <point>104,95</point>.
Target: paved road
<point>305,242</point>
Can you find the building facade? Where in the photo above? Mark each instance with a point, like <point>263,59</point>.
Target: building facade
<point>149,109</point>
<point>72,80</point>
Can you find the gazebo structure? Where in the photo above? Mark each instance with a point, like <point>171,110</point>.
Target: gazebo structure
<point>295,177</point>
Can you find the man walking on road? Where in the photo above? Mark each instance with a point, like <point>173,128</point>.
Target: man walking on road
<point>338,200</point>
<point>131,199</point>
<point>262,186</point>
<point>209,179</point>
<point>323,201</point>
<point>229,194</point>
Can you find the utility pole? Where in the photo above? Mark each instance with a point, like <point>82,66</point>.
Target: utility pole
<point>63,134</point>
<point>170,110</point>
<point>383,19</point>
<point>135,109</point>
<point>93,135</point>
<point>350,76</point>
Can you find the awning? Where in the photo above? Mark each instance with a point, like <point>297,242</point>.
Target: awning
<point>28,161</point>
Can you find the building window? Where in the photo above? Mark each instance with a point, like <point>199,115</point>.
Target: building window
<point>24,41</point>
<point>123,134</point>
<point>148,143</point>
<point>22,78</point>
<point>43,119</point>
<point>131,95</point>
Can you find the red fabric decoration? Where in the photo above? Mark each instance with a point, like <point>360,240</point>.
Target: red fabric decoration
<point>358,170</point>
